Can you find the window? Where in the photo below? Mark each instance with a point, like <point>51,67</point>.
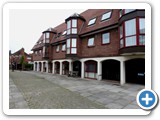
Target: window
<point>142,25</point>
<point>64,32</point>
<point>91,69</point>
<point>91,42</point>
<point>72,46</point>
<point>47,35</point>
<point>43,51</point>
<point>106,16</point>
<point>57,48</point>
<point>141,31</point>
<point>64,47</point>
<point>130,32</point>
<point>68,46</point>
<point>120,12</point>
<point>92,21</point>
<point>128,10</point>
<point>74,23</point>
<point>105,38</point>
<point>72,26</point>
<point>74,49</point>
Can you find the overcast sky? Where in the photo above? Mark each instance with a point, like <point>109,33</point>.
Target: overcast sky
<point>26,25</point>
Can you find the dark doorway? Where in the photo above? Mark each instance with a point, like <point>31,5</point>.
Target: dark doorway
<point>111,70</point>
<point>77,67</point>
<point>135,71</point>
<point>57,67</point>
<point>65,68</point>
<point>50,67</point>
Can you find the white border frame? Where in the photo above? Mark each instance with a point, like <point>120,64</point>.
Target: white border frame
<point>9,6</point>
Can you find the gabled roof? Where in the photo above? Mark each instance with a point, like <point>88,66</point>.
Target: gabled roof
<point>20,51</point>
<point>86,16</point>
<point>60,29</point>
<point>40,43</point>
<point>97,13</point>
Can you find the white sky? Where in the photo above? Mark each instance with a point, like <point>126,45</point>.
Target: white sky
<point>26,25</point>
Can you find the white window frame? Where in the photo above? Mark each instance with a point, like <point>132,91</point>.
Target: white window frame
<point>106,16</point>
<point>91,40</point>
<point>92,21</point>
<point>64,47</point>
<point>57,48</point>
<point>108,40</point>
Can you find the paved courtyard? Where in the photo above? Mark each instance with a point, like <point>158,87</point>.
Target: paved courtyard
<point>35,90</point>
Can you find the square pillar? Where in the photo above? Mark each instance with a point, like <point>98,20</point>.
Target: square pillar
<point>41,66</point>
<point>60,72</point>
<point>82,69</point>
<point>123,77</point>
<point>70,66</point>
<point>34,66</point>
<point>99,71</point>
<point>46,67</point>
<point>53,67</point>
<point>37,66</point>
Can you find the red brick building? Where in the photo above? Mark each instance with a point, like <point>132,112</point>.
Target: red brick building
<point>101,44</point>
<point>16,57</point>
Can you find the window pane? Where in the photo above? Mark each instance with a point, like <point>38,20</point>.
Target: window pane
<point>47,35</point>
<point>142,25</point>
<point>68,31</point>
<point>130,41</point>
<point>141,40</point>
<point>90,67</point>
<point>68,50</point>
<point>91,42</point>
<point>74,42</point>
<point>57,49</point>
<point>105,38</point>
<point>92,21</point>
<point>63,47</point>
<point>68,24</point>
<point>120,13</point>
<point>74,50</point>
<point>74,23</point>
<point>74,30</point>
<point>121,43</point>
<point>106,16</point>
<point>121,31</point>
<point>129,10</point>
<point>47,40</point>
<point>130,27</point>
<point>64,32</point>
<point>68,43</point>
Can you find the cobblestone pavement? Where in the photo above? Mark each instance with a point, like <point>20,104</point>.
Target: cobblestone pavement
<point>38,93</point>
<point>45,90</point>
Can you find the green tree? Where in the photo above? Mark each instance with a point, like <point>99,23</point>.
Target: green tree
<point>22,62</point>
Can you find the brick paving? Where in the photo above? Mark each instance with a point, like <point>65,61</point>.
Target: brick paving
<point>45,90</point>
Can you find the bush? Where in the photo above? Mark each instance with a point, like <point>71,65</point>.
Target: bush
<point>28,66</point>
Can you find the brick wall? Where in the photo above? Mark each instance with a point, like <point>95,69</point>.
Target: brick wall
<point>100,50</point>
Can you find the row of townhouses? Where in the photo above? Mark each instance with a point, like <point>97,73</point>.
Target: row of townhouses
<point>100,44</point>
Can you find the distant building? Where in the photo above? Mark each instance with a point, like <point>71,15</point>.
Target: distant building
<point>101,44</point>
<point>16,57</point>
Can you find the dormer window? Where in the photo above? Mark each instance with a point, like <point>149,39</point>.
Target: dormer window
<point>64,32</point>
<point>128,10</point>
<point>106,16</point>
<point>72,26</point>
<point>47,35</point>
<point>92,21</point>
